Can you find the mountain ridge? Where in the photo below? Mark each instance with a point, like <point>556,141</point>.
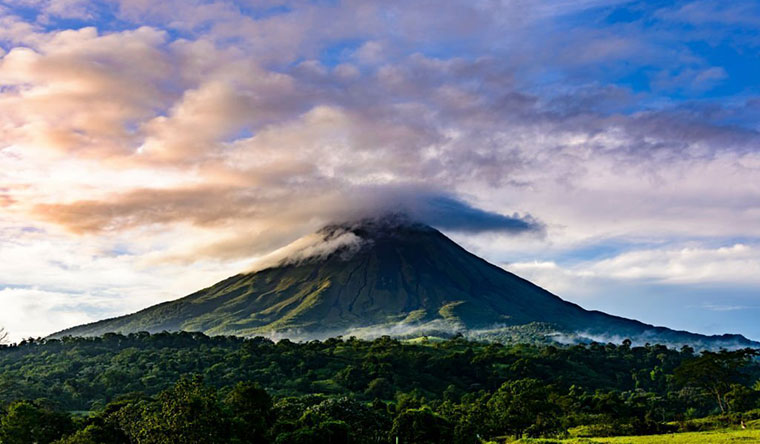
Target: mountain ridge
<point>389,274</point>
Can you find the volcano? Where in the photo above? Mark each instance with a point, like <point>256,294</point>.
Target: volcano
<point>393,276</point>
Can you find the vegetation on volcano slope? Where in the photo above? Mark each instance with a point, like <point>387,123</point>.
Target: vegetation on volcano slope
<point>187,387</point>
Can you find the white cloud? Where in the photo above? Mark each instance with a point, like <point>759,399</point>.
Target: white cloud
<point>50,281</point>
<point>736,265</point>
<point>311,246</point>
<point>30,312</point>
<point>207,150</point>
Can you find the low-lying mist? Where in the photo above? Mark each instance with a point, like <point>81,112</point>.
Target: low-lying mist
<point>537,333</point>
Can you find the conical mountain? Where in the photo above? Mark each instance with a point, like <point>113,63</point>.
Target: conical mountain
<point>386,275</point>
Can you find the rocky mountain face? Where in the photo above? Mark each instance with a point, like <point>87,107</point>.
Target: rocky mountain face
<point>387,276</point>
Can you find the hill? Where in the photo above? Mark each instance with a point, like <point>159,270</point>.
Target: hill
<point>387,276</point>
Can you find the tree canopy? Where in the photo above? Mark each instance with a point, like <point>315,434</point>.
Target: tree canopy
<point>191,388</point>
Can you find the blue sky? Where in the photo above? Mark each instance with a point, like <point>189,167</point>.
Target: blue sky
<point>607,150</point>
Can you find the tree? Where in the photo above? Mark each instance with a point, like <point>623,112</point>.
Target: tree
<point>3,336</point>
<point>187,413</point>
<point>379,388</point>
<point>366,424</point>
<point>420,426</point>
<point>250,408</point>
<point>741,398</point>
<point>26,422</point>
<point>469,419</point>
<point>715,373</point>
<point>88,435</point>
<point>120,420</point>
<point>329,432</point>
<point>352,378</point>
<point>524,407</point>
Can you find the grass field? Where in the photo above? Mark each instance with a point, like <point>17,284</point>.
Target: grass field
<point>711,437</point>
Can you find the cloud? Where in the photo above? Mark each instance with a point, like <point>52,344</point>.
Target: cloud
<point>705,12</point>
<point>69,9</point>
<point>695,79</point>
<point>212,132</point>
<point>736,264</point>
<point>53,281</point>
<point>718,307</point>
<point>201,206</point>
<point>31,312</point>
<point>252,223</point>
<point>448,213</point>
<point>78,91</point>
<point>711,290</point>
<point>312,246</point>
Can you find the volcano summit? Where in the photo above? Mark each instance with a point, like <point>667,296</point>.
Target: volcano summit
<point>392,276</point>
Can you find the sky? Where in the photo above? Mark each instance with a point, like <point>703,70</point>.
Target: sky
<point>606,150</point>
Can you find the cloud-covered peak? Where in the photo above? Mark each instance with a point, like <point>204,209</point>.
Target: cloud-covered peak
<point>398,206</point>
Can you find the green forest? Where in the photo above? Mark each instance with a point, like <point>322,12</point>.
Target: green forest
<point>191,388</point>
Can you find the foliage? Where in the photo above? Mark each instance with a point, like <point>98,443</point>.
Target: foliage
<point>187,413</point>
<point>718,374</point>
<point>250,410</point>
<point>421,426</point>
<point>525,407</point>
<point>190,388</point>
<point>26,422</point>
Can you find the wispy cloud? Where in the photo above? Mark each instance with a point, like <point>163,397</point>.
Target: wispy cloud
<point>717,307</point>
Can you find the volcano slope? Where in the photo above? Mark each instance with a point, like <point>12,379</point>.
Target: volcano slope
<point>387,276</point>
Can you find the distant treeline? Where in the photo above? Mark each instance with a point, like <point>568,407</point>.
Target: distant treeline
<point>191,388</point>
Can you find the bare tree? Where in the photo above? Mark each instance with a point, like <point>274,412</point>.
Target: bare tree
<point>3,335</point>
